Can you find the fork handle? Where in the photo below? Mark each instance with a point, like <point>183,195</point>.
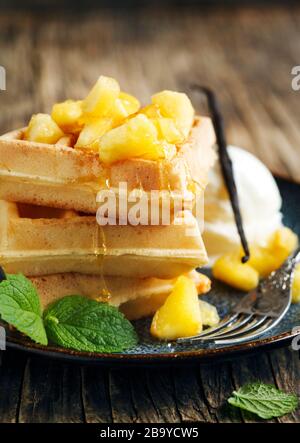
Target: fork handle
<point>296,255</point>
<point>292,260</point>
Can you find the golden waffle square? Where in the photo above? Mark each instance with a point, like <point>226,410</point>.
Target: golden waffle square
<point>63,177</point>
<point>136,298</point>
<point>42,241</point>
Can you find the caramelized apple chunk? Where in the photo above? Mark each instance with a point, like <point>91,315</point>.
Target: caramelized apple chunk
<point>151,111</point>
<point>168,131</point>
<point>43,129</point>
<point>282,243</point>
<point>262,259</point>
<point>180,315</point>
<point>209,314</point>
<point>111,121</point>
<point>67,116</point>
<point>296,285</point>
<point>166,127</point>
<point>101,99</point>
<point>125,106</point>
<point>92,132</point>
<point>176,106</point>
<point>137,137</point>
<point>232,271</point>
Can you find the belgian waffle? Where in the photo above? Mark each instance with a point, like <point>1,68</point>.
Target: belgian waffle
<point>41,241</point>
<point>135,297</point>
<point>63,177</point>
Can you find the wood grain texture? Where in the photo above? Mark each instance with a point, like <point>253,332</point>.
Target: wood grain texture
<point>217,382</point>
<point>162,390</point>
<point>51,393</point>
<point>95,395</point>
<point>34,390</point>
<point>191,402</point>
<point>11,380</point>
<point>286,372</point>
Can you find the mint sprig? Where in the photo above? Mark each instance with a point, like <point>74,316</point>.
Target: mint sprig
<point>266,401</point>
<point>73,322</point>
<point>20,307</point>
<point>79,323</point>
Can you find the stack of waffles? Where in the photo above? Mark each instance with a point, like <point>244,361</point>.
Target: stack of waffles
<point>49,230</point>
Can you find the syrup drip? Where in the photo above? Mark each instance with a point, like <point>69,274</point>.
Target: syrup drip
<point>100,251</point>
<point>100,248</point>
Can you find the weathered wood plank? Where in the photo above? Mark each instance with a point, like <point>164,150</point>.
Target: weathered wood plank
<point>147,410</point>
<point>285,365</point>
<point>95,395</point>
<point>11,379</point>
<point>161,387</point>
<point>51,393</point>
<point>190,397</point>
<point>122,407</point>
<point>217,385</point>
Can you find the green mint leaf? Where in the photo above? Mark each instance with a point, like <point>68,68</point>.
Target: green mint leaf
<point>20,307</point>
<point>79,323</point>
<point>264,400</point>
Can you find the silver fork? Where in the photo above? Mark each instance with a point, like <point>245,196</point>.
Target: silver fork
<point>257,312</point>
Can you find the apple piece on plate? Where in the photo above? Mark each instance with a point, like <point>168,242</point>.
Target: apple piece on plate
<point>283,242</point>
<point>262,259</point>
<point>209,314</point>
<point>180,315</point>
<point>296,285</point>
<point>229,269</point>
<point>280,245</point>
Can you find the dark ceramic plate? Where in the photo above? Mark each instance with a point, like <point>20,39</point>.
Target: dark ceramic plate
<point>151,351</point>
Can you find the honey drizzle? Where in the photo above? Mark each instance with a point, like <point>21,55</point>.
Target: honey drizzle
<point>100,250</point>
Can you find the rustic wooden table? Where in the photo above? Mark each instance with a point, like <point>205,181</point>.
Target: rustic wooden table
<point>246,55</point>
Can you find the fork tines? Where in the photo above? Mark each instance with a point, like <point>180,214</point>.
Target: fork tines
<point>257,312</point>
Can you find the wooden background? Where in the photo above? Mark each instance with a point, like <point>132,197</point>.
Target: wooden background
<point>246,55</point>
<point>36,390</point>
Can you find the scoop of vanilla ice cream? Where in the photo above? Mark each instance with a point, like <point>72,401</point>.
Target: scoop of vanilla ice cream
<point>259,199</point>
